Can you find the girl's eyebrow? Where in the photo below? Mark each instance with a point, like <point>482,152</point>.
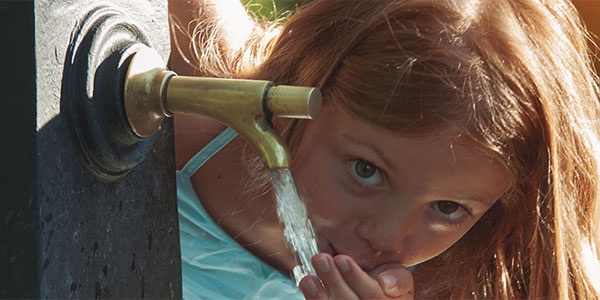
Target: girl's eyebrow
<point>377,151</point>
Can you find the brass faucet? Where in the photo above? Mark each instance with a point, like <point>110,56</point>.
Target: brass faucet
<point>152,93</point>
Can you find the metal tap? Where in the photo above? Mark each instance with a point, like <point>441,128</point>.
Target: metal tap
<point>152,93</point>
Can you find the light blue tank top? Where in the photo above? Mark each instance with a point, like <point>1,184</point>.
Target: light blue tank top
<point>213,265</point>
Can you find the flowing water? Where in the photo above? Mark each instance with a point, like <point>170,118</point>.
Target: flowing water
<point>292,213</point>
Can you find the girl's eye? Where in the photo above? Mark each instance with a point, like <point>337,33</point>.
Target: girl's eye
<point>365,172</point>
<point>449,210</point>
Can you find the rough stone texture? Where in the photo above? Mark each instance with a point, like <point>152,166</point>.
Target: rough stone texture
<point>72,235</point>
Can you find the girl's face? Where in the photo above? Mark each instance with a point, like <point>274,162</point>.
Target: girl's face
<point>381,198</point>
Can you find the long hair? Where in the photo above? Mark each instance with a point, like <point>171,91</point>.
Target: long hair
<point>514,77</point>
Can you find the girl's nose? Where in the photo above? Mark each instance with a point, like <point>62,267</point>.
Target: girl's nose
<point>386,230</point>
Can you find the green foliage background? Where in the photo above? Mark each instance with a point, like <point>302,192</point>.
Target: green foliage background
<point>272,9</point>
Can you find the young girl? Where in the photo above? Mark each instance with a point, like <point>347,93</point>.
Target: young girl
<point>459,136</point>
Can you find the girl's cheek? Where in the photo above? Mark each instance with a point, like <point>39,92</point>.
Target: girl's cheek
<point>426,243</point>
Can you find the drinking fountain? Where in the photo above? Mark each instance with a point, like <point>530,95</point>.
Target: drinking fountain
<point>116,129</point>
<point>152,93</point>
<point>89,196</point>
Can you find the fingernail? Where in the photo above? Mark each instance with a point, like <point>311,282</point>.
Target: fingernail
<point>389,282</point>
<point>322,264</point>
<point>342,264</point>
<point>311,288</point>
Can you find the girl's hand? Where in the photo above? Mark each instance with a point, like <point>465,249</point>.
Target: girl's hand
<point>344,279</point>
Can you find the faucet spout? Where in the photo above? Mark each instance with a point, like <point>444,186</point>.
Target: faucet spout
<point>152,93</point>
<point>246,107</point>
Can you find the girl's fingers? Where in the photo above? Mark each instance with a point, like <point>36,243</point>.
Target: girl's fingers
<point>343,279</point>
<point>362,284</point>
<point>395,280</point>
<point>334,283</point>
<point>312,289</point>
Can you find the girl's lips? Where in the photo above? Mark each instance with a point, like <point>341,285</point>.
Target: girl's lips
<point>330,250</point>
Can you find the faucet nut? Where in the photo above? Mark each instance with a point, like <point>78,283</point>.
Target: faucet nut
<point>294,101</point>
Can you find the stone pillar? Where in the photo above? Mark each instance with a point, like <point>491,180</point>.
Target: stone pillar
<point>86,211</point>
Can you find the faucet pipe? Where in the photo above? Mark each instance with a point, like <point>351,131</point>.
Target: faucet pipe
<point>152,93</point>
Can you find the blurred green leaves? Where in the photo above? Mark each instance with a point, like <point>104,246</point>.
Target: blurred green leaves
<point>272,9</point>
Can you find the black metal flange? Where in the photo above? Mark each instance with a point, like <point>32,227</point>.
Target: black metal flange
<point>101,46</point>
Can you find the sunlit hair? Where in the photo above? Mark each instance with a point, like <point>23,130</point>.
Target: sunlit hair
<point>512,77</point>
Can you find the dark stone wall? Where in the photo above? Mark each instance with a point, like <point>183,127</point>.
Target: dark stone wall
<point>66,232</point>
<point>18,188</point>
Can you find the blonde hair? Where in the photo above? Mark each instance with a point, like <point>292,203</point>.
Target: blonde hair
<point>514,76</point>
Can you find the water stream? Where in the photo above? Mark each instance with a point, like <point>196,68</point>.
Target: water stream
<point>292,213</point>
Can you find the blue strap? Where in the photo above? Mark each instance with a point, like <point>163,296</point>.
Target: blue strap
<point>208,151</point>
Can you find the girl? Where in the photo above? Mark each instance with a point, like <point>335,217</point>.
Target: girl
<point>459,136</point>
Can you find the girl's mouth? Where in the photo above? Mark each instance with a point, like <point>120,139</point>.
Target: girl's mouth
<point>330,250</point>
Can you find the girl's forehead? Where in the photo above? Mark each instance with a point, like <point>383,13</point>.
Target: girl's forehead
<point>339,122</point>
<point>448,141</point>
